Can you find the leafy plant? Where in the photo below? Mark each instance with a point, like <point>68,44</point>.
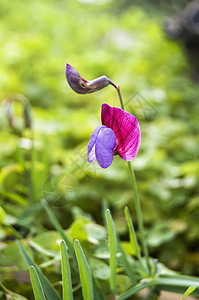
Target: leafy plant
<point>160,279</point>
<point>155,81</point>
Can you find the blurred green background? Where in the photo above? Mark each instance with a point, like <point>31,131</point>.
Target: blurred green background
<point>123,40</point>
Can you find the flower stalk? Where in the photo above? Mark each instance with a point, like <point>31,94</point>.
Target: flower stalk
<point>137,199</point>
<point>120,97</point>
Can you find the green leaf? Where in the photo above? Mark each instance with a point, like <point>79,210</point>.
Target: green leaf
<point>14,296</point>
<point>9,294</point>
<point>78,230</point>
<point>188,292</point>
<point>98,290</point>
<point>10,256</point>
<point>99,268</point>
<point>49,241</point>
<point>123,283</point>
<point>95,232</point>
<point>67,293</point>
<point>40,249</point>
<point>113,251</point>
<point>59,229</point>
<point>131,272</point>
<point>102,250</point>
<point>135,289</point>
<point>17,199</point>
<point>49,290</point>
<point>85,272</point>
<point>176,283</point>
<point>133,238</point>
<point>36,284</point>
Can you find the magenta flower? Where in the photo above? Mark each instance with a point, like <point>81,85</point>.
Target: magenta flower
<point>119,135</point>
<point>83,86</point>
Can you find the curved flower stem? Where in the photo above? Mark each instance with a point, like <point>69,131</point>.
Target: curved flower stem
<point>120,96</point>
<point>119,93</point>
<point>137,200</point>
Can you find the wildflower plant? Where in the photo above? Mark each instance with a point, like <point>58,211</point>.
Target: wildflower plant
<point>119,135</point>
<point>123,138</point>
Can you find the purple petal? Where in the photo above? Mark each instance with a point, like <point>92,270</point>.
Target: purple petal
<point>126,128</point>
<point>105,144</point>
<point>91,146</point>
<point>76,81</point>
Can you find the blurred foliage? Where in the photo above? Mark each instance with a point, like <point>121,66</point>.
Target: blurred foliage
<point>125,42</point>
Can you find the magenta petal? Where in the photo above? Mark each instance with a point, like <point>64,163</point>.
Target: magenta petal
<point>126,128</point>
<point>105,143</point>
<point>91,146</point>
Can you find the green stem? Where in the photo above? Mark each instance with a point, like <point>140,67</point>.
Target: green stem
<point>120,97</point>
<point>137,200</point>
<point>139,215</point>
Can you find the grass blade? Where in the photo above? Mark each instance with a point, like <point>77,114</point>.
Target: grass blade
<point>127,267</point>
<point>194,280</point>
<point>85,272</point>
<point>49,290</point>
<point>113,251</point>
<point>133,238</point>
<point>59,229</point>
<point>36,284</point>
<point>134,290</point>
<point>9,294</point>
<point>105,206</point>
<point>188,292</point>
<point>169,283</point>
<point>67,293</point>
<point>98,291</point>
<point>177,284</point>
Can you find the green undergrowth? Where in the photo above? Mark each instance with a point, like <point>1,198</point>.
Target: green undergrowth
<point>49,160</point>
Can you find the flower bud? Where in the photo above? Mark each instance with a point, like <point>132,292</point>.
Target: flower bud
<point>83,86</point>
